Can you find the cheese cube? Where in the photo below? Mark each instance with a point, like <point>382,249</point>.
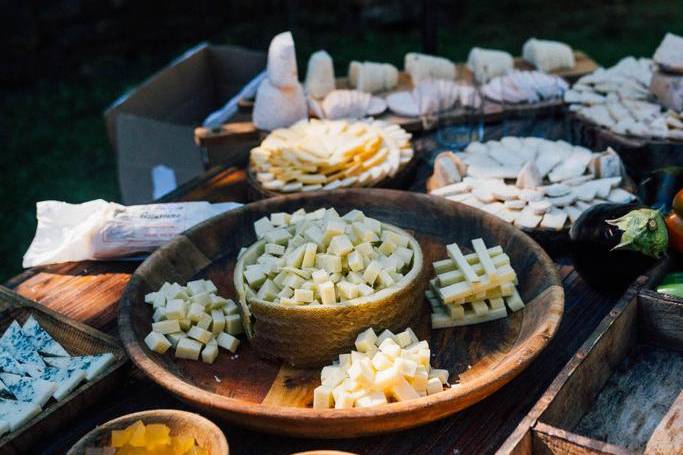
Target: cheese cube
<point>195,312</point>
<point>231,308</point>
<point>185,324</point>
<point>371,399</point>
<point>295,257</point>
<point>217,301</point>
<point>420,379</point>
<point>333,228</point>
<point>322,397</point>
<point>280,219</point>
<point>327,294</point>
<point>363,233</point>
<point>434,386</point>
<point>344,400</point>
<point>340,245</point>
<point>403,339</point>
<point>355,261</point>
<point>344,361</point>
<point>331,263</point>
<point>209,353</point>
<point>227,341</point>
<point>347,291</point>
<point>262,226</point>
<point>174,338</point>
<point>218,322</point>
<point>204,321</point>
<point>274,249</point>
<point>373,224</point>
<point>353,215</point>
<point>233,324</point>
<point>441,375</point>
<point>407,367</point>
<point>424,357</point>
<point>355,278</point>
<point>362,372</point>
<point>196,287</point>
<point>202,299</point>
<point>149,298</point>
<point>372,272</point>
<point>385,279</point>
<point>365,339</point>
<point>199,334</point>
<point>309,255</point>
<point>390,348</point>
<point>314,235</point>
<point>164,327</point>
<point>279,235</point>
<point>159,314</point>
<point>320,276</point>
<point>268,291</point>
<point>255,277</point>
<point>387,378</point>
<point>332,376</point>
<point>366,250</point>
<point>159,300</point>
<point>381,361</point>
<point>387,247</point>
<point>395,238</point>
<point>365,290</point>
<point>402,391</point>
<point>335,277</point>
<point>293,281</point>
<point>157,342</point>
<point>188,349</point>
<point>303,295</point>
<point>286,293</point>
<point>384,335</point>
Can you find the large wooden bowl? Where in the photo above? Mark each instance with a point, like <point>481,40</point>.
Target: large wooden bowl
<point>271,397</point>
<point>205,432</point>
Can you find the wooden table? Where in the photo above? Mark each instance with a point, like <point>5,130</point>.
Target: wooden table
<point>89,292</point>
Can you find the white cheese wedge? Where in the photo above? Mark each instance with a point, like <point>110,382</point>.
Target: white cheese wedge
<point>27,389</point>
<point>41,340</point>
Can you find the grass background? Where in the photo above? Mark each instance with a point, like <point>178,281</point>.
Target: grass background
<point>52,136</point>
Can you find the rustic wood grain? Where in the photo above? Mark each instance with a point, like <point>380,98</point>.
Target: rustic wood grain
<point>661,319</point>
<point>206,434</point>
<point>549,440</point>
<point>668,436</point>
<point>492,353</point>
<point>77,339</point>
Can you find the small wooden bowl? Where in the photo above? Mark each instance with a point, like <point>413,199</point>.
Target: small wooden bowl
<point>205,432</point>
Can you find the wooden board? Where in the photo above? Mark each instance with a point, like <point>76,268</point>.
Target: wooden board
<point>77,339</point>
<point>206,434</point>
<point>274,398</point>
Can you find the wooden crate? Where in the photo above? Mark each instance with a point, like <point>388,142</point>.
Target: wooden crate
<point>77,339</point>
<point>621,392</point>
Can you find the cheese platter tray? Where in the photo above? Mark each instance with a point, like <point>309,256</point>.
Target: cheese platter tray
<point>294,316</point>
<point>52,369</point>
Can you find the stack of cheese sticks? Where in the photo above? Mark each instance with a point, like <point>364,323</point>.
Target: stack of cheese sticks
<point>473,288</point>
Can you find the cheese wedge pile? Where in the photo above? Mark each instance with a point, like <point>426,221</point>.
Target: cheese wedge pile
<point>327,154</point>
<point>152,439</point>
<point>533,182</point>
<point>472,288</point>
<point>193,320</point>
<point>35,368</point>
<point>322,258</point>
<point>382,369</point>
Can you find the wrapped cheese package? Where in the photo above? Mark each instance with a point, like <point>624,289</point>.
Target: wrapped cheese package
<point>98,230</point>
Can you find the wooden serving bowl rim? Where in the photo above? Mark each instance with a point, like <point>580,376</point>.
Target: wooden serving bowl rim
<point>434,406</point>
<point>157,415</point>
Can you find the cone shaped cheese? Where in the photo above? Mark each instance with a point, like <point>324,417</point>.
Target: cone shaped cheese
<point>279,107</point>
<point>282,61</point>
<point>319,75</point>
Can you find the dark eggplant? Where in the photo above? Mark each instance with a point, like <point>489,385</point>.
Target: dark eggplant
<point>660,187</point>
<point>611,244</point>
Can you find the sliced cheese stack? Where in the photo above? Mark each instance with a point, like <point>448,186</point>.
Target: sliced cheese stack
<point>193,320</point>
<point>382,369</point>
<point>325,154</point>
<point>533,182</point>
<point>35,368</point>
<point>314,280</point>
<point>472,288</point>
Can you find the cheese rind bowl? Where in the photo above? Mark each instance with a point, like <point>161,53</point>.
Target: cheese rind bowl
<point>271,396</point>
<point>313,335</point>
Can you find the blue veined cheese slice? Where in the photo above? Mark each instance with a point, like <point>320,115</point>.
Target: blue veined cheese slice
<point>30,390</point>
<point>17,413</point>
<point>5,394</point>
<point>93,365</point>
<point>66,380</point>
<point>19,345</point>
<point>9,364</point>
<point>41,340</point>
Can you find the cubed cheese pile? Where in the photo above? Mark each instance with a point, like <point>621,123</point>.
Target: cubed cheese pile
<point>534,182</point>
<point>382,369</point>
<point>153,439</point>
<point>329,154</point>
<point>193,320</point>
<point>322,258</point>
<point>472,288</point>
<point>35,368</point>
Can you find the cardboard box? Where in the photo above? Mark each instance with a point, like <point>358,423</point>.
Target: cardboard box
<point>154,123</point>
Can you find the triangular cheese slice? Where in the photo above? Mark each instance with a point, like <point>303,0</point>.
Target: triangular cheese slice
<point>17,413</point>
<point>67,380</point>
<point>41,340</point>
<point>93,365</point>
<point>30,390</point>
<point>20,347</point>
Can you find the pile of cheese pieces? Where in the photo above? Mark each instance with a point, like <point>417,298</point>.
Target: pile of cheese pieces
<point>192,319</point>
<point>34,367</point>
<point>152,439</point>
<point>473,288</point>
<point>554,180</point>
<point>326,154</point>
<point>524,87</point>
<point>321,258</point>
<point>618,98</point>
<point>383,368</point>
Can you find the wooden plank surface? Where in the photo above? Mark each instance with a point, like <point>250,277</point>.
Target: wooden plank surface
<point>89,292</point>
